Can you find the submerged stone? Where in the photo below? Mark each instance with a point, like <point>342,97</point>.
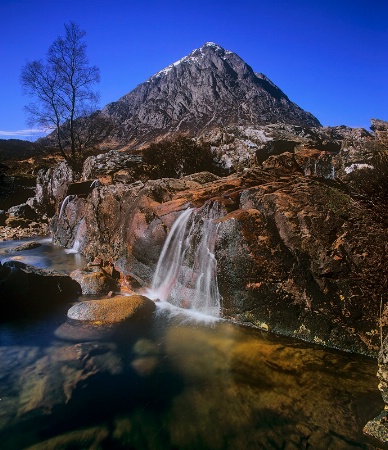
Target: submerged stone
<point>113,310</point>
<point>26,246</point>
<point>82,332</point>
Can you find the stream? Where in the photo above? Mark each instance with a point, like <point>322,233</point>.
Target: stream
<point>181,381</point>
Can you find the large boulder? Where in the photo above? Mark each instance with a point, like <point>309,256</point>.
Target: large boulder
<point>114,164</point>
<point>113,310</point>
<point>28,290</point>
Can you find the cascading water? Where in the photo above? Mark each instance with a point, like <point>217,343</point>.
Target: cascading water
<point>79,236</point>
<point>186,273</point>
<point>63,206</point>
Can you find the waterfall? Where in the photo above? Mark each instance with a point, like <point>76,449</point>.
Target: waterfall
<point>64,204</point>
<point>79,235</point>
<point>186,273</point>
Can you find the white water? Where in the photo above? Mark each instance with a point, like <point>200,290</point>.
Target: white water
<point>64,204</point>
<point>186,273</point>
<point>79,236</point>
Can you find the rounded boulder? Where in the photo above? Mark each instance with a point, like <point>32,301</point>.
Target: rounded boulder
<point>113,310</point>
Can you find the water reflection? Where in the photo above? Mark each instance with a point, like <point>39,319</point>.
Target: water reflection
<point>180,381</point>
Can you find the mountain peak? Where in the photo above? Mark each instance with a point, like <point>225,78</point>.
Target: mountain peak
<point>214,46</point>
<point>193,57</point>
<point>210,87</point>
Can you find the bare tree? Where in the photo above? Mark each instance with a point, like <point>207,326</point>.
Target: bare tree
<point>61,87</point>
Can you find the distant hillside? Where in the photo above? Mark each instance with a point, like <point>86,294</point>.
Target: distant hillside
<point>17,149</point>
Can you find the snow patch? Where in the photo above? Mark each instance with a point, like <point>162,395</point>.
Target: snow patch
<point>195,56</point>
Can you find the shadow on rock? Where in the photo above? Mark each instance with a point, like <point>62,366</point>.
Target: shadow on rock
<point>28,290</point>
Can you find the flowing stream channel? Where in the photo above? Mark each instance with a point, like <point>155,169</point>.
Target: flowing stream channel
<point>181,381</point>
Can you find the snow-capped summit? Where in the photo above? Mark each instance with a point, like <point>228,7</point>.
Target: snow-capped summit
<point>210,87</point>
<point>193,57</point>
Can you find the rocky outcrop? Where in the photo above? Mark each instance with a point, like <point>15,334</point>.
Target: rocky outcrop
<point>51,188</point>
<point>113,165</point>
<point>113,310</point>
<point>237,147</point>
<point>380,128</point>
<point>296,254</point>
<point>27,290</point>
<point>208,88</point>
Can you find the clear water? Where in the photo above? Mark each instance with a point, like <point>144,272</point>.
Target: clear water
<point>180,381</point>
<point>46,256</point>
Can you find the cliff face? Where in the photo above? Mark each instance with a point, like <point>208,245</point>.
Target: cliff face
<point>208,88</point>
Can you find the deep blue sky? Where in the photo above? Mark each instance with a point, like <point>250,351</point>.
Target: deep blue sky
<point>329,56</point>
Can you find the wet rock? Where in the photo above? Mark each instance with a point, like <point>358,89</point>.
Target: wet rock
<point>76,331</point>
<point>113,310</point>
<point>28,290</point>
<point>81,188</point>
<point>26,246</point>
<point>94,281</point>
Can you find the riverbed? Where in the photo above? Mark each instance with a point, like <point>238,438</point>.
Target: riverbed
<point>180,381</point>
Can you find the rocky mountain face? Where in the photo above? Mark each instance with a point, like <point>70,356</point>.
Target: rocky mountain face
<point>211,87</point>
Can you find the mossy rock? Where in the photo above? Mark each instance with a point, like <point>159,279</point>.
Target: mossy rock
<point>113,310</point>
